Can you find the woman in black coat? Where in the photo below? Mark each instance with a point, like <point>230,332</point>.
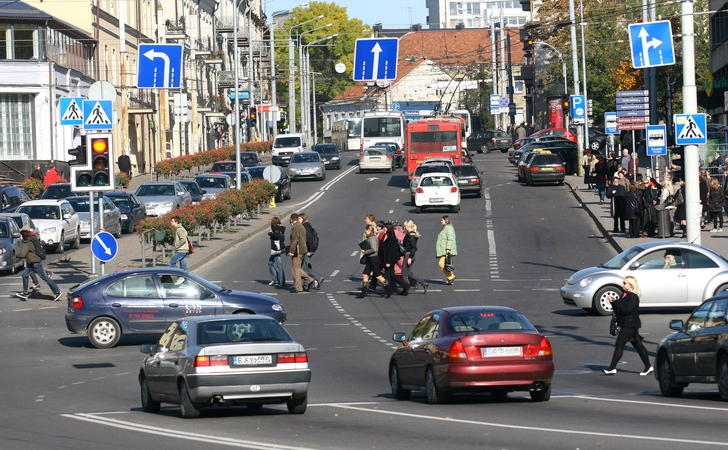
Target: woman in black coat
<point>628,319</point>
<point>633,210</point>
<point>617,193</point>
<point>391,255</point>
<point>410,248</point>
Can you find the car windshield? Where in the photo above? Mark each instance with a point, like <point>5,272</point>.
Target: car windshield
<point>223,167</point>
<point>325,148</point>
<point>247,158</point>
<point>374,152</point>
<point>192,187</point>
<point>623,258</point>
<point>431,169</point>
<point>287,142</point>
<point>57,192</point>
<point>4,233</point>
<point>240,330</point>
<point>484,320</point>
<point>120,202</point>
<point>305,158</point>
<point>465,171</point>
<point>211,182</point>
<point>41,212</point>
<point>150,190</point>
<point>81,204</point>
<point>546,160</point>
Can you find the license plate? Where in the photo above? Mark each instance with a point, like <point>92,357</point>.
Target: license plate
<point>258,360</point>
<point>489,352</point>
<point>547,169</point>
<point>436,200</point>
<point>375,158</point>
<point>462,181</point>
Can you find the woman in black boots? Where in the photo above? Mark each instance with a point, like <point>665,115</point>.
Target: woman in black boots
<point>370,259</point>
<point>391,255</point>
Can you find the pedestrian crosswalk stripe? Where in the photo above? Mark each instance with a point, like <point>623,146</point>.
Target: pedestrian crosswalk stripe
<point>98,116</point>
<point>691,130</point>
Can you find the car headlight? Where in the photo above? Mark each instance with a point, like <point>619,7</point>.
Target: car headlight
<point>277,307</point>
<point>49,230</point>
<point>166,205</point>
<point>3,250</point>
<point>293,170</point>
<point>124,217</point>
<point>335,158</point>
<point>585,282</point>
<point>84,224</point>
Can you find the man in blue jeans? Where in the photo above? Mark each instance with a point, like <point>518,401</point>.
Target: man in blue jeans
<point>307,267</point>
<point>180,245</point>
<point>34,264</point>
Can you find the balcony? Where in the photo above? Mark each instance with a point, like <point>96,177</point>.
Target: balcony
<point>175,29</point>
<point>226,78</point>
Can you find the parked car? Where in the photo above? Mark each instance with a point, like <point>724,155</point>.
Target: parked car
<point>515,151</point>
<point>10,246</point>
<point>437,190</point>
<point>525,160</point>
<point>60,190</point>
<point>132,209</point>
<point>161,197</point>
<point>469,179</point>
<point>244,177</point>
<point>224,361</point>
<point>147,301</point>
<point>11,197</point>
<point>307,165</point>
<point>489,140</point>
<point>696,351</point>
<point>247,159</point>
<point>472,349</point>
<point>698,274</point>
<point>112,216</point>
<point>57,221</point>
<point>194,189</point>
<point>213,183</point>
<point>395,150</point>
<point>283,184</point>
<point>329,154</point>
<point>376,158</point>
<point>567,150</point>
<point>545,167</point>
<point>561,132</point>
<point>597,140</point>
<point>22,220</point>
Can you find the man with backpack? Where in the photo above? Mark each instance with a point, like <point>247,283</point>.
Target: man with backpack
<point>31,249</point>
<point>312,241</point>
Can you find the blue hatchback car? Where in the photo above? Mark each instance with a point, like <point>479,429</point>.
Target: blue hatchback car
<point>147,301</point>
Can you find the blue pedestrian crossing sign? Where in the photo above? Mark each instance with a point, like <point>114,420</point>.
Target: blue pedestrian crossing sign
<point>651,44</point>
<point>97,114</point>
<point>159,66</point>
<point>104,246</point>
<point>71,110</point>
<point>375,59</point>
<point>690,129</point>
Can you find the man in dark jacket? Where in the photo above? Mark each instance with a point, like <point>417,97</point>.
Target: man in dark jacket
<point>296,251</point>
<point>618,193</point>
<point>37,174</point>
<point>33,263</point>
<point>306,264</point>
<point>124,164</point>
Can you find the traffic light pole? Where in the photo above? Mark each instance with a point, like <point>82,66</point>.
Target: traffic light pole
<point>91,224</point>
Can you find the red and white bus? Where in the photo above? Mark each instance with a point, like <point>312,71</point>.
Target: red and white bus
<point>382,126</point>
<point>433,137</point>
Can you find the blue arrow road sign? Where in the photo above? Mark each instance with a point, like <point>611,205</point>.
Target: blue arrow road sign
<point>651,44</point>
<point>656,140</point>
<point>97,114</point>
<point>71,110</point>
<point>104,246</point>
<point>578,108</point>
<point>375,59</point>
<point>159,66</point>
<point>610,123</point>
<point>690,129</point>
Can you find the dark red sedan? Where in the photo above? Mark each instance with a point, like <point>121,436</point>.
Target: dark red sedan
<point>472,349</point>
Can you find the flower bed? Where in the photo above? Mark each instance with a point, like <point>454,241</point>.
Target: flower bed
<point>173,166</point>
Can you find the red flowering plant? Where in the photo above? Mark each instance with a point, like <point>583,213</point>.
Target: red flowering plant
<point>163,223</point>
<point>33,187</point>
<point>163,167</point>
<point>121,179</point>
<point>235,199</point>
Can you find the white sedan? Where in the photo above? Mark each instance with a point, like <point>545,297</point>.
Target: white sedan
<point>437,190</point>
<point>376,158</point>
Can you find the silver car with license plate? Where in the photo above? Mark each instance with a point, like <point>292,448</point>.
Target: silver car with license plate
<point>307,165</point>
<point>225,360</point>
<point>376,158</point>
<point>669,274</point>
<point>437,190</point>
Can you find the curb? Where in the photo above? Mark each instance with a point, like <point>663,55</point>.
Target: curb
<point>605,233</point>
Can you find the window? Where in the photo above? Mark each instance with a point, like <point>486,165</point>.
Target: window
<point>716,316</point>
<point>698,260</point>
<point>141,286</point>
<point>16,119</point>
<point>697,319</point>
<point>427,328</point>
<point>180,287</point>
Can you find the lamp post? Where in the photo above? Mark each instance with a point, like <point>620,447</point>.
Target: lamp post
<point>236,63</point>
<point>291,76</point>
<point>305,118</point>
<point>561,57</point>
<point>308,70</point>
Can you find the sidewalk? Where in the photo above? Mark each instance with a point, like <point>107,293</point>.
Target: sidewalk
<point>76,264</point>
<point>718,242</point>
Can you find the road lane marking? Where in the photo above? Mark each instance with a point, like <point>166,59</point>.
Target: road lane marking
<point>338,178</point>
<point>333,274</point>
<point>354,253</point>
<point>638,402</point>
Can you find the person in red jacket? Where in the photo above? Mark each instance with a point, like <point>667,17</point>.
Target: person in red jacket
<point>51,177</point>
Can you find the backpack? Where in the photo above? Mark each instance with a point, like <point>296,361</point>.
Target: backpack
<point>312,239</point>
<point>40,251</point>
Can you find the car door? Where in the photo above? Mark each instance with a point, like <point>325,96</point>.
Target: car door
<point>184,297</point>
<point>406,355</point>
<point>136,302</point>
<point>154,372</point>
<point>138,211</point>
<point>70,221</point>
<point>700,269</point>
<point>659,283</point>
<point>183,197</point>
<point>707,340</point>
<point>169,364</point>
<point>15,231</point>
<point>684,349</point>
<point>424,349</point>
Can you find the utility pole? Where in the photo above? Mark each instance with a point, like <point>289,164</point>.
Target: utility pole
<point>575,65</point>
<point>690,106</point>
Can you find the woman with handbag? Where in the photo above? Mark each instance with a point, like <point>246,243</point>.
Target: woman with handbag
<point>277,235</point>
<point>446,248</point>
<point>410,247</point>
<point>628,319</point>
<point>370,259</point>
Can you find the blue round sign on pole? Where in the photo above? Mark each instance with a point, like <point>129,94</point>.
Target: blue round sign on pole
<point>104,246</point>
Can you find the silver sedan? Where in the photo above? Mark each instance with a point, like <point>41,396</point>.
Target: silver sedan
<point>669,274</point>
<point>307,165</point>
<point>376,158</point>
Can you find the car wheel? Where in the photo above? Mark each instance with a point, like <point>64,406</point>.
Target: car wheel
<point>561,183</point>
<point>187,407</point>
<point>484,149</point>
<point>297,405</point>
<point>456,209</point>
<point>723,377</point>
<point>77,241</point>
<point>148,404</point>
<point>390,170</point>
<point>595,146</point>
<point>104,332</point>
<point>434,394</point>
<point>480,150</point>
<point>418,209</point>
<point>666,377</point>
<point>397,391</point>
<point>279,196</point>
<point>118,231</point>
<point>601,300</point>
<point>543,395</point>
<point>288,196</point>
<point>528,181</point>
<point>504,150</point>
<point>61,247</point>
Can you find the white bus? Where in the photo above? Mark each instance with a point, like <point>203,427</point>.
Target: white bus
<point>383,126</point>
<point>465,115</point>
<point>346,134</point>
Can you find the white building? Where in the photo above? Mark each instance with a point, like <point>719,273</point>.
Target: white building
<point>474,14</point>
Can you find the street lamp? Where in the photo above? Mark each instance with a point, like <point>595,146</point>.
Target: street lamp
<point>308,70</point>
<point>563,63</point>
<point>291,79</point>
<point>305,125</point>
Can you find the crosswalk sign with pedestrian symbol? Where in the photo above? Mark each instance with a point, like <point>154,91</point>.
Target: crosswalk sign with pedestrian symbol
<point>690,129</point>
<point>97,115</point>
<point>71,110</point>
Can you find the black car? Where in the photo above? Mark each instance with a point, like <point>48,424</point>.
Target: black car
<point>393,149</point>
<point>283,184</point>
<point>132,209</point>
<point>147,301</point>
<point>58,191</point>
<point>545,167</point>
<point>565,148</point>
<point>488,140</point>
<point>697,352</point>
<point>597,139</point>
<point>329,154</point>
<point>194,189</point>
<point>12,197</point>
<point>469,179</point>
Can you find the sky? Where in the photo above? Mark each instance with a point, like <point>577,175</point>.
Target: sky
<point>391,13</point>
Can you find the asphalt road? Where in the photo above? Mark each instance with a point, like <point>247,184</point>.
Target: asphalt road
<point>516,245</point>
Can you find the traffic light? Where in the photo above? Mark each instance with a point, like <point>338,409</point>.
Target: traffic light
<point>253,116</point>
<point>80,155</point>
<point>81,174</point>
<point>102,161</point>
<point>565,105</point>
<point>677,153</point>
<point>528,44</point>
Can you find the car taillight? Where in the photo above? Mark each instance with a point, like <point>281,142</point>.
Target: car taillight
<point>77,302</point>
<point>211,361</point>
<point>543,349</point>
<point>476,181</point>
<point>288,358</point>
<point>534,169</point>
<point>459,351</point>
<point>560,169</point>
<point>453,189</point>
<point>419,191</point>
<point>399,152</point>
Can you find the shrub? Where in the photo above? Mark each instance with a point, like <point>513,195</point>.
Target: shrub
<point>121,179</point>
<point>33,187</point>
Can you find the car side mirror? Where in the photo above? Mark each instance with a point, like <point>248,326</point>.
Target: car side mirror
<point>634,266</point>
<point>399,337</point>
<point>67,216</point>
<point>676,325</point>
<point>203,192</point>
<point>148,349</point>
<point>16,235</point>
